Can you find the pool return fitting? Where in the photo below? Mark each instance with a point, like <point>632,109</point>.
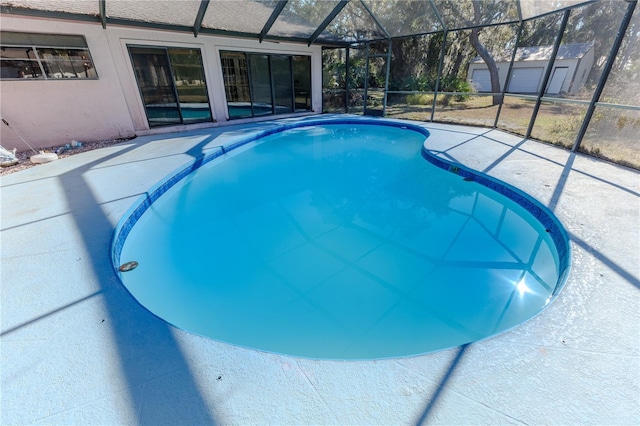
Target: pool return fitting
<point>129,266</point>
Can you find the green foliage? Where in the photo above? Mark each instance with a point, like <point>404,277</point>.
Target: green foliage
<point>428,84</point>
<point>357,71</point>
<point>455,84</point>
<point>424,84</point>
<point>419,99</point>
<point>334,69</point>
<point>420,83</point>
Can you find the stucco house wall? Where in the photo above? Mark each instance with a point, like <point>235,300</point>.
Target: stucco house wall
<point>582,71</point>
<point>51,113</point>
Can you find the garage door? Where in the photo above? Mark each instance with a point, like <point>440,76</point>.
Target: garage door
<point>481,80</point>
<point>525,80</point>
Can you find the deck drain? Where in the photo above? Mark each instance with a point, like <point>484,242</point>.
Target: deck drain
<point>129,266</point>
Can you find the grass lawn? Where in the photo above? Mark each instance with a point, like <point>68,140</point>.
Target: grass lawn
<point>612,134</point>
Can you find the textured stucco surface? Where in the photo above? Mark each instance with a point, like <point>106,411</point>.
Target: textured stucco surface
<point>76,348</point>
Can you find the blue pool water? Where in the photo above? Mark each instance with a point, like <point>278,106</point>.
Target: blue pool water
<point>339,241</point>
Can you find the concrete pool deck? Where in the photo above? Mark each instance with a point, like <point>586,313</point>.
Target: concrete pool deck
<point>76,348</point>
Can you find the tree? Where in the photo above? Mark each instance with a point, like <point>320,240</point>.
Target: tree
<point>473,14</point>
<point>597,24</point>
<point>474,39</point>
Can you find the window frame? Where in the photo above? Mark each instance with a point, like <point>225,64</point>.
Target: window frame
<point>225,54</point>
<point>166,50</point>
<point>43,63</point>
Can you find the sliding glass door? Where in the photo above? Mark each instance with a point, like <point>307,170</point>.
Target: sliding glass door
<point>262,100</point>
<point>235,71</point>
<point>172,85</point>
<point>155,82</point>
<point>282,83</point>
<point>265,84</point>
<point>188,75</point>
<point>302,82</point>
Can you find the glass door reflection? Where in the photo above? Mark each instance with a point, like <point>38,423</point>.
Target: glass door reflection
<point>235,73</point>
<point>260,85</point>
<point>282,83</point>
<point>153,73</point>
<point>172,85</point>
<point>302,82</point>
<point>191,87</point>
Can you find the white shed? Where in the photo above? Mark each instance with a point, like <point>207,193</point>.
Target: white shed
<point>570,69</point>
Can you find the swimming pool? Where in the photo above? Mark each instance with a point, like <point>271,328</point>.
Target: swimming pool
<point>336,239</point>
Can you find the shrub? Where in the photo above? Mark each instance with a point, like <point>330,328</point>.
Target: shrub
<point>419,99</point>
<point>455,84</point>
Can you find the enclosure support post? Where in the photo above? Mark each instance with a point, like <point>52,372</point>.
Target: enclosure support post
<point>102,5</point>
<point>509,70</point>
<point>366,77</point>
<point>605,74</point>
<point>438,16</point>
<point>443,49</point>
<point>386,80</point>
<point>346,83</point>
<point>204,4</point>
<point>327,21</point>
<point>547,73</point>
<point>272,19</point>
<point>375,19</point>
<point>519,8</point>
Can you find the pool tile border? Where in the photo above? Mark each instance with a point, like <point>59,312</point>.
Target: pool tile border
<point>534,207</point>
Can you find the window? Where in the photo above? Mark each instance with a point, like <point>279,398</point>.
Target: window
<point>258,84</point>
<point>44,57</point>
